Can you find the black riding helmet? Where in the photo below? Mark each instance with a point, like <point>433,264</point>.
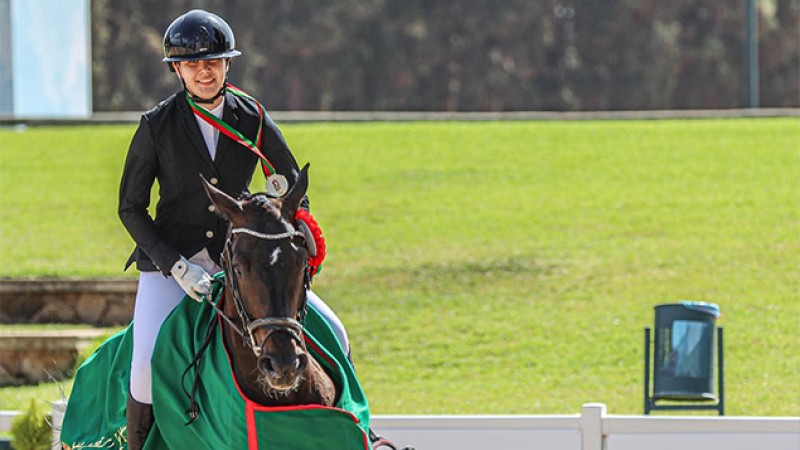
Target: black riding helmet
<point>199,35</point>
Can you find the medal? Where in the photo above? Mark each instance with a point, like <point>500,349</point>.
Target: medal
<point>277,185</point>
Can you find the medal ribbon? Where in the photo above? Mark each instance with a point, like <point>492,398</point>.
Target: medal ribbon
<point>233,133</point>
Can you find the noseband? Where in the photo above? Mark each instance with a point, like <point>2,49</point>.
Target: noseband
<point>271,324</point>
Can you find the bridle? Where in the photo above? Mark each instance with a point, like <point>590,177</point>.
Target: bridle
<point>272,324</point>
<point>293,327</point>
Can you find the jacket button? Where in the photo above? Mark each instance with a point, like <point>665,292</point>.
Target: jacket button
<point>214,181</point>
<point>211,208</point>
<point>209,234</point>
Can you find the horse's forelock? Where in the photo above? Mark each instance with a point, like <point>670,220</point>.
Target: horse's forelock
<point>259,209</point>
<point>259,199</point>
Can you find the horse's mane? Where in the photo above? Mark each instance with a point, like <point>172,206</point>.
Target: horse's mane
<point>261,199</point>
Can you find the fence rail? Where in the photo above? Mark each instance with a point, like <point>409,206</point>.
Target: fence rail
<point>593,429</point>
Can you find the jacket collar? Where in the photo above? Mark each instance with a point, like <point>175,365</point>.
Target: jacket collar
<point>230,115</point>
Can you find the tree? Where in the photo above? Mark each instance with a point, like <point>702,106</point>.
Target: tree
<point>462,55</point>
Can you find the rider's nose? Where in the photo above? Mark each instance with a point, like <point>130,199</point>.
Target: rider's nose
<point>203,66</point>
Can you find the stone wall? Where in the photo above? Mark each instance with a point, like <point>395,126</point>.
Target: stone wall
<point>33,357</point>
<point>103,302</point>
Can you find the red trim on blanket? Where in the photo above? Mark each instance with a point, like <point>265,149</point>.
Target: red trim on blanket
<point>249,410</point>
<point>320,353</point>
<point>262,408</point>
<point>252,435</point>
<point>251,407</point>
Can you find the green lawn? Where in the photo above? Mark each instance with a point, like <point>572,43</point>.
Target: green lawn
<point>497,267</point>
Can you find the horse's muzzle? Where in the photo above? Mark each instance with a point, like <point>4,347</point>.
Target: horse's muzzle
<point>282,372</point>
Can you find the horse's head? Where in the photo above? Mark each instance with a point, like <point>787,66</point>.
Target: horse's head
<point>265,264</point>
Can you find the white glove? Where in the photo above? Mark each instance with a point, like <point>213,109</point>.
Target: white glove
<point>192,278</point>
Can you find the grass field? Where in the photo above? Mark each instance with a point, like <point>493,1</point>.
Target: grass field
<point>498,267</point>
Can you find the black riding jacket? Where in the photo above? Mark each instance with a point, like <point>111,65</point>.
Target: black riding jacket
<point>169,147</point>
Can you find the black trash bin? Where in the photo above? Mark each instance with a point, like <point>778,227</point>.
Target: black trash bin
<point>683,368</point>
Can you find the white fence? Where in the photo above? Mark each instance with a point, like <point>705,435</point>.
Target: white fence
<point>593,429</point>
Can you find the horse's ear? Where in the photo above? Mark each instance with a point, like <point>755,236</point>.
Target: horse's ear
<point>295,195</point>
<point>224,205</point>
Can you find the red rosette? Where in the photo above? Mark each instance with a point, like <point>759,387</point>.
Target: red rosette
<point>314,262</point>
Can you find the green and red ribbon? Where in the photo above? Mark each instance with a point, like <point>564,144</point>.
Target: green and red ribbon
<point>232,133</point>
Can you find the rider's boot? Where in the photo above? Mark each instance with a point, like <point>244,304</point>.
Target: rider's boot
<point>381,442</point>
<point>140,419</point>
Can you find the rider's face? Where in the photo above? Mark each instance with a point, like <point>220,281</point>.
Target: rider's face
<point>203,78</point>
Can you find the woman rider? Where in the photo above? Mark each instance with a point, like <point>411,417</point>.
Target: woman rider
<point>181,245</point>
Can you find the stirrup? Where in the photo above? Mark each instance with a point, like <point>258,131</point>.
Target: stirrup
<point>380,441</point>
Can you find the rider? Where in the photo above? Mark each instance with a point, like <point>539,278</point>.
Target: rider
<point>178,248</point>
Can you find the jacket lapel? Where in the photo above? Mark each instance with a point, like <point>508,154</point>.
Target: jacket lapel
<point>189,123</point>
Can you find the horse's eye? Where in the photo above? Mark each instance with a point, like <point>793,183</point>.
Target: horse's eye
<point>237,270</point>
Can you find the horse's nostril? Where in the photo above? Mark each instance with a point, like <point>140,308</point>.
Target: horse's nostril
<point>265,364</point>
<point>302,362</point>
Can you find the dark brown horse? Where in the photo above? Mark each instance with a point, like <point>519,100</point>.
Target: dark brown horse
<point>265,273</point>
<point>265,260</point>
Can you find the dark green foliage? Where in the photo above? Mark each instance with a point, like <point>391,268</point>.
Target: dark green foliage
<point>459,55</point>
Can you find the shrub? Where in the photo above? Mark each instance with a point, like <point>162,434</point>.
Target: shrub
<point>30,430</point>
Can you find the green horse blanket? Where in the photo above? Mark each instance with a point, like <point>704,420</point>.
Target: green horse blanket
<point>95,416</point>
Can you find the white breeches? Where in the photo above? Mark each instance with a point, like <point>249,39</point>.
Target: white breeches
<point>156,297</point>
<point>331,318</point>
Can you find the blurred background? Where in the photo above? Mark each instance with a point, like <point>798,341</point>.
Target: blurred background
<point>462,55</point>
